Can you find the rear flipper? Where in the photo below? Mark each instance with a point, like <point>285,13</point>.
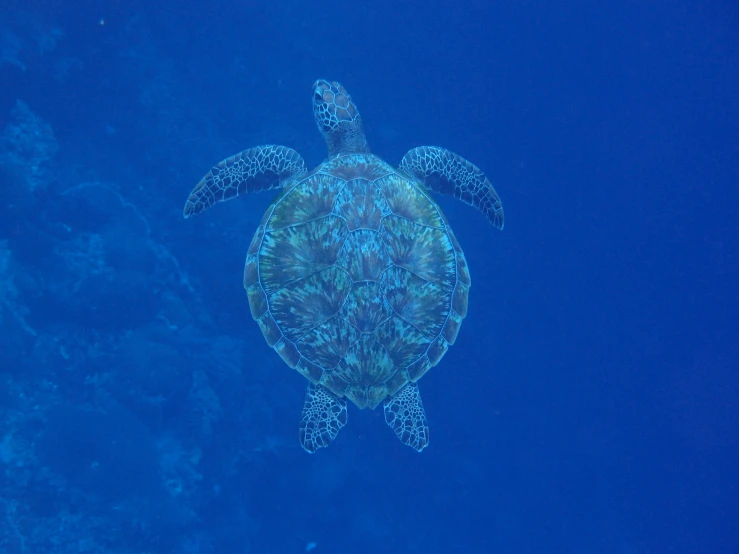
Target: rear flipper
<point>324,414</point>
<point>445,172</point>
<point>404,413</point>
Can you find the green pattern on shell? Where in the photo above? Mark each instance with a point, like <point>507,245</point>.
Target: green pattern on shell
<point>356,279</point>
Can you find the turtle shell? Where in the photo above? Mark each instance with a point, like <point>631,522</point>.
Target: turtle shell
<point>356,279</point>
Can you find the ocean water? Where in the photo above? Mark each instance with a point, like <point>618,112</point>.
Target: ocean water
<point>590,403</point>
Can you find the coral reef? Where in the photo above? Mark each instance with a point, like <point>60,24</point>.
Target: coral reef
<point>27,147</point>
<point>129,395</point>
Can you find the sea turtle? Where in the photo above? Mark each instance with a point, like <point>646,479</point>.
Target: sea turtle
<point>354,274</point>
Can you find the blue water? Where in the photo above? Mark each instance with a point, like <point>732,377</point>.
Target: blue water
<point>590,403</point>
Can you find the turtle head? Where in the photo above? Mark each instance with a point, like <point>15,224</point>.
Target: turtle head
<point>338,118</point>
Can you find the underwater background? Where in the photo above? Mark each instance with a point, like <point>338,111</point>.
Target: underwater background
<point>591,401</point>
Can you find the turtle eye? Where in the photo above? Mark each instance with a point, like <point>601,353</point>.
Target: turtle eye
<point>317,96</point>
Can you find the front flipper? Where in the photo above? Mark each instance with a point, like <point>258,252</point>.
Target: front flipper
<point>253,170</point>
<point>447,173</point>
<point>324,414</point>
<point>404,413</point>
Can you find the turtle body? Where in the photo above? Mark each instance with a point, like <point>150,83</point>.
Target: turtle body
<point>354,275</point>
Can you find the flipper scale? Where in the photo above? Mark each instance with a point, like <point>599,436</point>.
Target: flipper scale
<point>447,173</point>
<point>405,414</point>
<point>324,414</point>
<point>252,170</point>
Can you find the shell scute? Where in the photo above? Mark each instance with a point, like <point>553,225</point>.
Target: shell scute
<point>361,205</point>
<point>305,304</point>
<point>287,351</point>
<point>451,327</point>
<point>327,343</point>
<point>293,253</point>
<point>365,308</point>
<point>405,199</point>
<point>364,255</point>
<point>416,301</point>
<point>312,198</point>
<point>402,341</point>
<point>270,329</point>
<point>251,270</point>
<point>437,349</point>
<point>257,300</point>
<point>418,368</point>
<point>358,166</point>
<point>423,251</point>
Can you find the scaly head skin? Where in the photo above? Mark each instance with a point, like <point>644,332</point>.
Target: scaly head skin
<point>338,119</point>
